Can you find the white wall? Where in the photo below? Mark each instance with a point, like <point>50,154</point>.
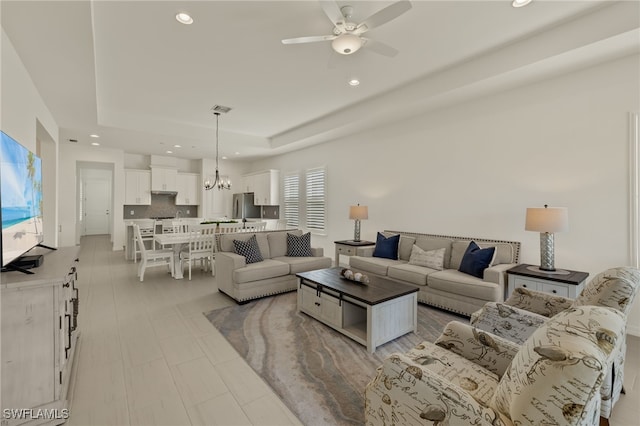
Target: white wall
<point>473,169</point>
<point>23,112</point>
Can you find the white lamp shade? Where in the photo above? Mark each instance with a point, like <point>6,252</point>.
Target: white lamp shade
<point>547,219</point>
<point>346,44</point>
<point>358,212</point>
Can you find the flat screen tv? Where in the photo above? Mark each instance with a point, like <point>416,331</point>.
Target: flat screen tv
<point>20,199</point>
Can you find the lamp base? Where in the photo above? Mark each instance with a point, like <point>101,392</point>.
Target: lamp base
<point>356,231</point>
<point>544,271</point>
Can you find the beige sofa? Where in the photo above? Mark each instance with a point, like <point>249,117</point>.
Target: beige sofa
<point>275,274</point>
<point>448,288</point>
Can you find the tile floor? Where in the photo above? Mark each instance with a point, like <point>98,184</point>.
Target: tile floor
<point>147,355</point>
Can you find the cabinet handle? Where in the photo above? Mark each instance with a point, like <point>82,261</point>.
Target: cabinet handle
<point>66,348</point>
<point>554,291</point>
<point>524,285</point>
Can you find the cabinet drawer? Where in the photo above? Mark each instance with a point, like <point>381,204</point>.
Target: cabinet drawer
<point>347,250</point>
<point>557,289</point>
<point>528,284</point>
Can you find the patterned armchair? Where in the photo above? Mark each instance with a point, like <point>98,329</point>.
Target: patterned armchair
<point>473,377</point>
<point>526,310</point>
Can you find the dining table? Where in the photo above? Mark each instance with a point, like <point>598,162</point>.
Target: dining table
<point>176,240</point>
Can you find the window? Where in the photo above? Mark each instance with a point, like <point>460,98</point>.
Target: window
<point>292,199</point>
<point>316,199</point>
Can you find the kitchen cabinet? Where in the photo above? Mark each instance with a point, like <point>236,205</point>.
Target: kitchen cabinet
<point>137,187</point>
<point>164,179</point>
<point>39,336</point>
<point>265,187</point>
<point>188,189</point>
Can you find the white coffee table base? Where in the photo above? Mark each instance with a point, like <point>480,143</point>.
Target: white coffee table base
<point>369,325</point>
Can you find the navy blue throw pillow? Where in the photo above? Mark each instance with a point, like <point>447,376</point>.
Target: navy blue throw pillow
<point>387,247</point>
<point>476,260</point>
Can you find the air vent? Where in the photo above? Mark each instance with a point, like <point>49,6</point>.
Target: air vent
<point>73,140</point>
<point>220,109</point>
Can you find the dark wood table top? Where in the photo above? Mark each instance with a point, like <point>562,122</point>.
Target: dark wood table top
<point>378,289</point>
<point>573,277</point>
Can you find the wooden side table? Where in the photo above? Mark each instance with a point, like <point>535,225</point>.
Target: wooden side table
<point>567,285</point>
<point>349,248</point>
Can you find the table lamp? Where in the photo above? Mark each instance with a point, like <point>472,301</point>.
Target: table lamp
<point>547,220</point>
<point>358,213</point>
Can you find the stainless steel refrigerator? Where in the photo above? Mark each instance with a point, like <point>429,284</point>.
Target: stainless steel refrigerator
<point>243,207</point>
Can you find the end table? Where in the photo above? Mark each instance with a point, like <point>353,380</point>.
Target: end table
<point>350,248</point>
<point>566,285</point>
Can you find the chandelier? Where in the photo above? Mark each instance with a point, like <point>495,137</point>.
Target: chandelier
<point>218,182</point>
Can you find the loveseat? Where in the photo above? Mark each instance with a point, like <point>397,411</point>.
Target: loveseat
<point>447,288</point>
<point>275,274</point>
<point>473,377</point>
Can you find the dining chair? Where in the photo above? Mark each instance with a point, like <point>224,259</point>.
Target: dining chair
<point>202,242</point>
<point>228,228</point>
<point>147,232</point>
<point>151,258</point>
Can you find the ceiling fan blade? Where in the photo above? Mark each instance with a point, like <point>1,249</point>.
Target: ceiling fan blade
<point>309,39</point>
<point>380,48</point>
<point>332,10</point>
<point>383,16</point>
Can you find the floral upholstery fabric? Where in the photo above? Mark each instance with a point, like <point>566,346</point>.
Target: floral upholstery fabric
<point>545,304</point>
<point>544,383</point>
<point>525,310</point>
<point>556,376</point>
<point>615,288</point>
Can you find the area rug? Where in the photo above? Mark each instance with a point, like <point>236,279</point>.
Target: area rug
<point>318,373</point>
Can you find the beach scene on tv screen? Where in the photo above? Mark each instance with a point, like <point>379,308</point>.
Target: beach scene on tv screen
<point>20,198</point>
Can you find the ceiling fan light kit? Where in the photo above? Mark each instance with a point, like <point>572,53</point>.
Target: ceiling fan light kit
<point>347,35</point>
<point>346,43</point>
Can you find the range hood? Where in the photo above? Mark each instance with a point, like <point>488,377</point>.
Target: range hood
<point>174,193</point>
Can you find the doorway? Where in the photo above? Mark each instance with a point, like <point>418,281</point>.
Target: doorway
<point>97,206</point>
<point>95,189</point>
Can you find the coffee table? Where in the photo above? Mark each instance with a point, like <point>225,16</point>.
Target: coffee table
<point>371,314</point>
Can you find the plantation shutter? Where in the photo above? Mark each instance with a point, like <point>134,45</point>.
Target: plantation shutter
<point>316,199</point>
<point>292,199</point>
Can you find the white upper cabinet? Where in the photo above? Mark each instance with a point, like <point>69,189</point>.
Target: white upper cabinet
<point>137,187</point>
<point>265,187</point>
<point>164,179</point>
<point>188,189</point>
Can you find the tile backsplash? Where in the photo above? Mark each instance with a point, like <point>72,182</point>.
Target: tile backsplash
<point>162,205</point>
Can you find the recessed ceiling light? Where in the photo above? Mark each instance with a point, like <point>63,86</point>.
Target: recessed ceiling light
<point>354,82</point>
<point>237,153</point>
<point>169,152</point>
<point>520,3</point>
<point>224,157</point>
<point>95,143</point>
<point>184,18</point>
<point>177,146</point>
<point>94,136</point>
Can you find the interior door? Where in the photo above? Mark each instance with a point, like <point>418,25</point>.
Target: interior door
<point>97,202</point>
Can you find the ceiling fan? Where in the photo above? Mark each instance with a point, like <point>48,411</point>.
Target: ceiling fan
<point>347,35</point>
